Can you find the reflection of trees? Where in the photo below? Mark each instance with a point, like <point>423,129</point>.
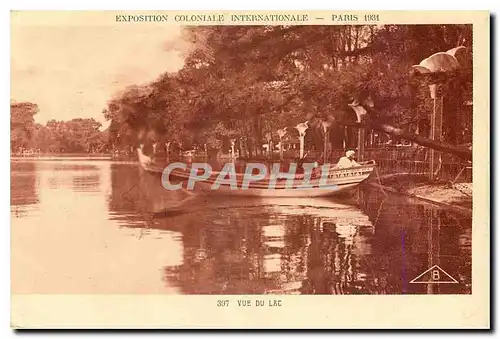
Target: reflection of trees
<point>86,182</point>
<point>409,239</point>
<point>253,247</point>
<point>124,193</point>
<point>80,177</point>
<point>127,202</point>
<point>136,192</point>
<point>332,264</point>
<point>221,255</point>
<point>248,252</point>
<point>23,183</point>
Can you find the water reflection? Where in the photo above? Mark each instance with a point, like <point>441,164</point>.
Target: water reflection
<point>134,237</point>
<point>71,243</point>
<point>246,252</point>
<point>312,246</point>
<point>412,237</point>
<point>23,185</point>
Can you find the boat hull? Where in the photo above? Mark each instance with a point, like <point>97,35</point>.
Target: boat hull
<point>277,193</point>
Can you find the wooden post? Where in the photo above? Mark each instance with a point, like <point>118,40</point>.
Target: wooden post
<point>301,128</point>
<point>281,134</point>
<point>301,149</point>
<point>436,129</point>
<point>326,132</point>
<point>361,144</point>
<point>325,147</point>
<point>233,143</point>
<point>361,115</point>
<point>269,139</point>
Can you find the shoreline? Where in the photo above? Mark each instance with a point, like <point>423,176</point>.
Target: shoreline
<point>453,196</point>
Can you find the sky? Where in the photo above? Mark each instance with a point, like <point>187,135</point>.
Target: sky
<point>71,71</point>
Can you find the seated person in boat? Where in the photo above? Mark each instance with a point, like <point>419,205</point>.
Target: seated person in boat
<point>347,161</point>
<point>300,171</point>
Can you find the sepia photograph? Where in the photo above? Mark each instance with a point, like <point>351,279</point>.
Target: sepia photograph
<point>189,154</point>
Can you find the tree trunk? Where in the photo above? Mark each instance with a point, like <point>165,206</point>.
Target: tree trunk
<point>257,124</point>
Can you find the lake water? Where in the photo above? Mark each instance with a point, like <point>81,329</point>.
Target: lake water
<point>100,227</point>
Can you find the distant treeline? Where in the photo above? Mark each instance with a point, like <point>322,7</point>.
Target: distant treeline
<point>74,136</point>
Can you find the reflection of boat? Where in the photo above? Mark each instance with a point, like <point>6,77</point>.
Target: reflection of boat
<point>321,207</point>
<point>338,180</point>
<point>165,203</point>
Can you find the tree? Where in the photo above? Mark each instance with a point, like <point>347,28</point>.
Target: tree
<point>245,82</point>
<point>22,124</point>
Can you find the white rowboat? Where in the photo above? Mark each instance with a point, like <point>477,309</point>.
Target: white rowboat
<point>337,181</point>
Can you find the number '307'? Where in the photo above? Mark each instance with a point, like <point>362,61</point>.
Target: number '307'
<point>222,303</point>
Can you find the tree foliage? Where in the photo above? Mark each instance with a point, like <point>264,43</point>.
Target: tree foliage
<point>75,136</point>
<point>22,123</point>
<point>244,82</point>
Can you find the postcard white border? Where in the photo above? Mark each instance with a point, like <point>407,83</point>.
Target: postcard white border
<point>398,311</point>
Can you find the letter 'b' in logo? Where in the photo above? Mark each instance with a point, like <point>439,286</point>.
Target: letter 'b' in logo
<point>434,275</point>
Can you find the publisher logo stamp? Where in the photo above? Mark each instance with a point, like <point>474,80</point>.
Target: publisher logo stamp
<point>434,275</point>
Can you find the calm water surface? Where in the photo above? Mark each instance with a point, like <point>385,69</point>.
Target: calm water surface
<point>81,226</point>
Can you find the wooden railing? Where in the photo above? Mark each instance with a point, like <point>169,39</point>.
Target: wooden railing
<point>410,160</point>
<point>392,160</point>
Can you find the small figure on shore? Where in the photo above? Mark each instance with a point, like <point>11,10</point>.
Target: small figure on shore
<point>347,161</point>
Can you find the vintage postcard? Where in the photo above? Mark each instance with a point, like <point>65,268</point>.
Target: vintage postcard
<point>250,169</point>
